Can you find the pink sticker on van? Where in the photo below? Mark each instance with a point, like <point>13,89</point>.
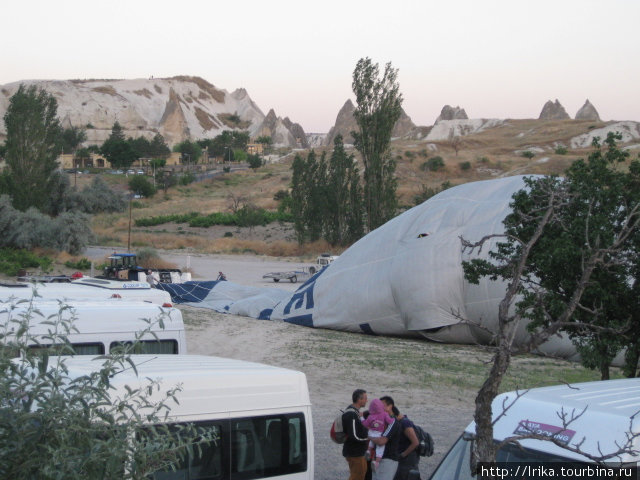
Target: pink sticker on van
<point>528,427</point>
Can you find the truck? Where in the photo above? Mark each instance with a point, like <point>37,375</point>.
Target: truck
<point>304,273</point>
<point>124,266</point>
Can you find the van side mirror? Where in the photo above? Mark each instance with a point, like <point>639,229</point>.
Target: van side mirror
<point>413,475</point>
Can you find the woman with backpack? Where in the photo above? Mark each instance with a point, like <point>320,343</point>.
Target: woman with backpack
<point>408,458</point>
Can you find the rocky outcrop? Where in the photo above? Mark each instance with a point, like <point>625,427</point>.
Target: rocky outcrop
<point>403,126</point>
<point>297,131</point>
<point>346,123</point>
<point>275,128</point>
<point>588,112</point>
<point>173,121</point>
<point>452,113</point>
<point>178,108</point>
<point>553,111</point>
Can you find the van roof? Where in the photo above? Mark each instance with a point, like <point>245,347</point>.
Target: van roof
<point>86,288</point>
<point>610,411</point>
<point>95,316</point>
<point>211,386</point>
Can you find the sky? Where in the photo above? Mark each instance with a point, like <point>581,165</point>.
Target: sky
<point>494,58</point>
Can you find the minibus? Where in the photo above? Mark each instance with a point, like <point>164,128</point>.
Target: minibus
<point>100,326</point>
<point>604,414</point>
<point>260,414</point>
<point>86,288</point>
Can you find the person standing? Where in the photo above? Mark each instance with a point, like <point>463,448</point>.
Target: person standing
<point>408,458</point>
<point>355,446</point>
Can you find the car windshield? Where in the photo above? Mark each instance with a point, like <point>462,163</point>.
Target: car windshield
<point>455,465</point>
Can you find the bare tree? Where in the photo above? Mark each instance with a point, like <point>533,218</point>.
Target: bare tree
<point>455,141</point>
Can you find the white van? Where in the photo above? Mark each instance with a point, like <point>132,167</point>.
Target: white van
<point>261,414</point>
<point>101,326</point>
<point>610,412</point>
<point>87,288</point>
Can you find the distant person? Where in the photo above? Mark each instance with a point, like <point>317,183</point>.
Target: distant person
<point>408,458</point>
<point>355,446</point>
<point>377,422</point>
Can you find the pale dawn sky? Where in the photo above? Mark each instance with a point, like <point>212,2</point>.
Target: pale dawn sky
<point>494,58</point>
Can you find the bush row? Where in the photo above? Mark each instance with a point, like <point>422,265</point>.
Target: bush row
<point>244,217</point>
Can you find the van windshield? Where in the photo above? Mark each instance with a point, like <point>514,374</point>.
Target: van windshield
<point>455,465</point>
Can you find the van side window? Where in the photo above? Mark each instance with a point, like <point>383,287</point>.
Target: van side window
<point>150,346</point>
<point>247,448</point>
<point>78,348</point>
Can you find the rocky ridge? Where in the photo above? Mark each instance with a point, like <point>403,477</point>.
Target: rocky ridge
<point>178,108</point>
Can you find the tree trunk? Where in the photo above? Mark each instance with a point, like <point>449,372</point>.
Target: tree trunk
<point>484,447</point>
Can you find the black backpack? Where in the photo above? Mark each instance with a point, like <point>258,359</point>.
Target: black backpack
<point>425,445</point>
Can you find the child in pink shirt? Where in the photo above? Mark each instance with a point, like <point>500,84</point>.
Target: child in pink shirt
<point>377,421</point>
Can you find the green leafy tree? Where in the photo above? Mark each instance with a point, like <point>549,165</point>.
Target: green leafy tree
<point>240,140</point>
<point>344,212</point>
<point>141,146</point>
<point>254,161</point>
<point>54,425</point>
<point>32,147</point>
<point>308,196</point>
<point>158,147</point>
<point>118,151</point>
<point>569,260</point>
<point>266,142</point>
<point>72,138</point>
<point>190,151</point>
<point>379,105</point>
<point>139,185</point>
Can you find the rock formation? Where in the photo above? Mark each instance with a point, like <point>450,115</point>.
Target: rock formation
<point>346,123</point>
<point>553,111</point>
<point>297,131</point>
<point>450,113</point>
<point>588,112</point>
<point>177,107</point>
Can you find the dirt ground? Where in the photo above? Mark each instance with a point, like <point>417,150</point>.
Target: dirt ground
<point>440,410</point>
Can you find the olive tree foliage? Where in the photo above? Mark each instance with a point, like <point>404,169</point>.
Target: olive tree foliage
<point>97,197</point>
<point>54,425</point>
<point>69,231</point>
<point>569,258</point>
<point>379,105</point>
<point>32,147</point>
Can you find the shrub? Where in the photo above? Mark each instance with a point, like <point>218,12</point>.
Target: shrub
<point>465,165</point>
<point>13,260</point>
<point>70,231</point>
<point>409,154</point>
<point>528,154</point>
<point>433,164</point>
<point>561,150</point>
<point>96,198</point>
<point>226,169</point>
<point>228,234</point>
<point>139,185</point>
<point>82,264</point>
<point>255,161</point>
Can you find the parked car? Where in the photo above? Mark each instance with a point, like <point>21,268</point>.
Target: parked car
<point>140,172</point>
<point>131,172</point>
